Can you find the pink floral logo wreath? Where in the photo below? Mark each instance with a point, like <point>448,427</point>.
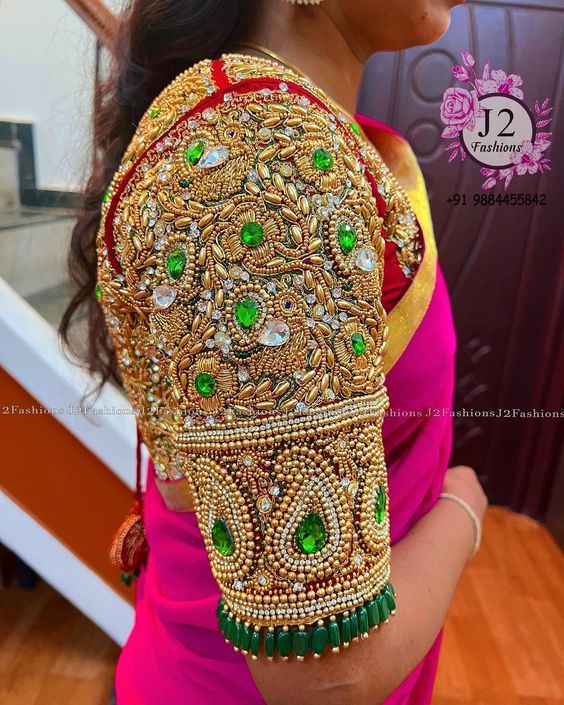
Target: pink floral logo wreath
<point>461,108</point>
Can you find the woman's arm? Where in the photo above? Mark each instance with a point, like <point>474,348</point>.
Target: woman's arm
<point>426,566</point>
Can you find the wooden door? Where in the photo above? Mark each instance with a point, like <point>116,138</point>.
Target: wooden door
<point>503,264</point>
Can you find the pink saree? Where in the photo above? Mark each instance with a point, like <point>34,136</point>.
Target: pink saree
<point>175,653</point>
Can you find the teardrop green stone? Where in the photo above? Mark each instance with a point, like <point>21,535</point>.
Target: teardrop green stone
<point>246,312</point>
<point>205,384</point>
<point>310,536</point>
<point>193,153</point>
<point>222,539</point>
<point>175,263</point>
<point>98,291</point>
<point>251,234</point>
<point>347,237</point>
<point>358,344</point>
<point>322,159</point>
<point>380,508</point>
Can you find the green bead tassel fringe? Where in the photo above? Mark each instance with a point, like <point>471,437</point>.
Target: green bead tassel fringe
<point>333,632</point>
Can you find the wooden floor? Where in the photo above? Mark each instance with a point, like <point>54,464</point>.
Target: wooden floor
<point>503,644</point>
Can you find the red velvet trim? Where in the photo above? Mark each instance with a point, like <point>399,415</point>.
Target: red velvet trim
<point>220,78</point>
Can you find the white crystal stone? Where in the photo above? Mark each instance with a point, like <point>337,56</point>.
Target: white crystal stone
<point>274,333</point>
<point>163,296</point>
<point>366,259</point>
<point>214,156</point>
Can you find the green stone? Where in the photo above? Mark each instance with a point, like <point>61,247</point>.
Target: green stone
<point>219,609</point>
<point>127,579</point>
<point>175,263</point>
<point>383,609</point>
<point>322,159</point>
<point>269,643</point>
<point>222,539</point>
<point>235,633</point>
<point>246,312</point>
<point>284,643</point>
<point>373,615</point>
<point>380,508</point>
<point>334,634</point>
<point>227,627</point>
<point>251,234</point>
<point>246,636</point>
<point>346,629</point>
<point>347,237</point>
<point>255,643</point>
<point>205,384</point>
<point>355,127</point>
<point>193,153</point>
<point>319,638</point>
<point>389,595</point>
<point>354,625</point>
<point>362,620</point>
<point>154,112</point>
<point>184,183</point>
<point>310,536</point>
<point>106,197</point>
<point>358,344</point>
<point>98,291</point>
<point>223,617</point>
<point>300,642</point>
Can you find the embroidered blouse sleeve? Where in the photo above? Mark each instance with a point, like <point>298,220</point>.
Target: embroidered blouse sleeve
<point>241,264</point>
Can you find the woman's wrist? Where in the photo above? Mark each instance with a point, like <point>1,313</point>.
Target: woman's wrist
<point>472,516</point>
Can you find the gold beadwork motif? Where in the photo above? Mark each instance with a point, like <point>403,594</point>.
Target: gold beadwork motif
<point>250,334</point>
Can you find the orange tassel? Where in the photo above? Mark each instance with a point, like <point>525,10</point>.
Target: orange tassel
<point>129,548</point>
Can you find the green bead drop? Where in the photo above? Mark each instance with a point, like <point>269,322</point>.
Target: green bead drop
<point>362,620</point>
<point>205,384</point>
<point>310,536</point>
<point>251,234</point>
<point>235,633</point>
<point>354,625</point>
<point>222,539</point>
<point>346,235</point>
<point>255,643</point>
<point>334,635</point>
<point>269,643</point>
<point>383,609</point>
<point>176,263</point>
<point>246,636</point>
<point>358,343</point>
<point>319,638</point>
<point>246,312</point>
<point>346,629</point>
<point>193,153</point>
<point>389,595</point>
<point>372,611</point>
<point>284,643</point>
<point>355,127</point>
<point>98,291</point>
<point>322,159</point>
<point>300,642</point>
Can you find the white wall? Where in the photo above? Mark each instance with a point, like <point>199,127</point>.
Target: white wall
<point>46,75</point>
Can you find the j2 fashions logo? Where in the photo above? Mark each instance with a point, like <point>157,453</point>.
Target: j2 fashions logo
<point>493,126</point>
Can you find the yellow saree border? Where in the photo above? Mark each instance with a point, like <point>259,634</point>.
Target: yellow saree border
<point>407,314</point>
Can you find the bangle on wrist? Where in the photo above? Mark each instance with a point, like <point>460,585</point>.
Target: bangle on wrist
<point>473,517</point>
